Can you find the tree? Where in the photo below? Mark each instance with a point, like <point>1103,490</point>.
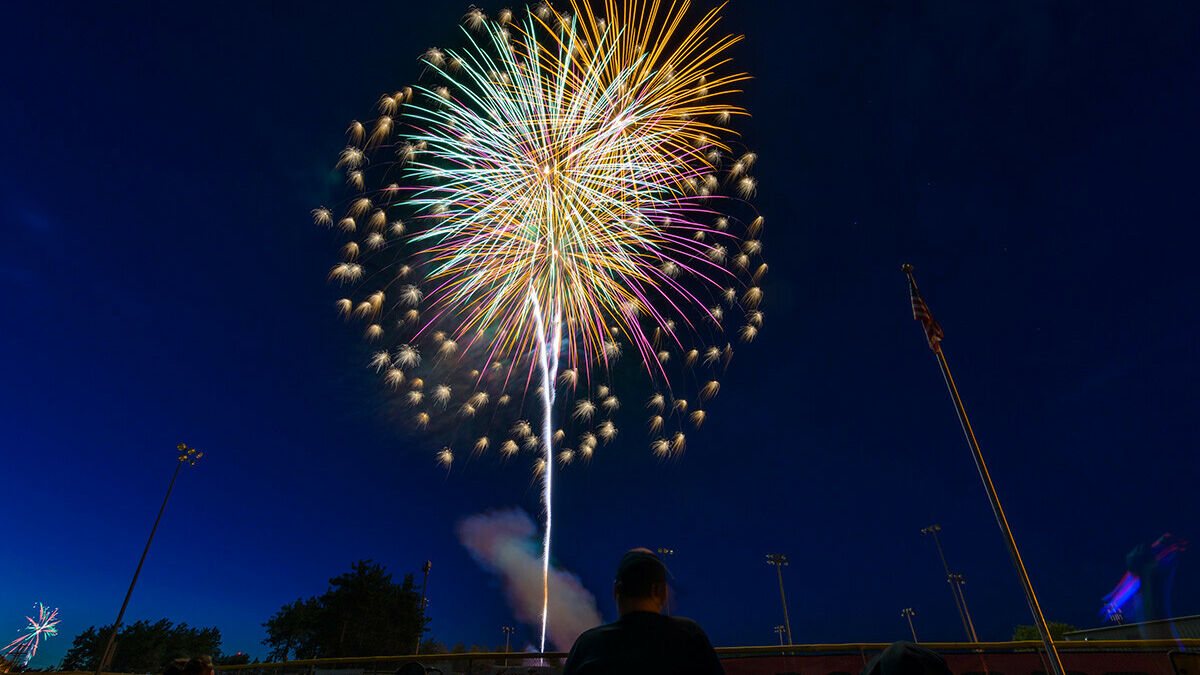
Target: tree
<point>142,646</point>
<point>432,646</point>
<point>1056,628</point>
<point>462,648</point>
<point>363,613</point>
<point>290,632</point>
<point>238,659</point>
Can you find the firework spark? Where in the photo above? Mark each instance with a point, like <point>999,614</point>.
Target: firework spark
<point>561,191</point>
<point>24,648</point>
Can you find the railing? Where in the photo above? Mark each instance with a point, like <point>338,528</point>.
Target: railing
<point>1148,657</point>
<point>1128,657</point>
<point>475,662</point>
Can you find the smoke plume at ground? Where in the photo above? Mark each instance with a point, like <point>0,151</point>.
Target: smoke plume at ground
<point>505,543</point>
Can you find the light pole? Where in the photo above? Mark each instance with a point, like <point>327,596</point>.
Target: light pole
<point>780,561</point>
<point>959,601</point>
<point>779,631</point>
<point>186,454</point>
<point>958,581</point>
<point>663,553</point>
<point>908,613</point>
<point>508,631</point>
<point>424,583</point>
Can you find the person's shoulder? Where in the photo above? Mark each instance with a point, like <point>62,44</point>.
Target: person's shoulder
<point>595,634</point>
<point>684,622</point>
<point>685,625</point>
<point>698,650</point>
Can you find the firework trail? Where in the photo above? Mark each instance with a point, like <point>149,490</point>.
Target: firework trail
<point>24,648</point>
<point>556,194</point>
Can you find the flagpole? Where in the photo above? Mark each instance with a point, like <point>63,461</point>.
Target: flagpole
<point>1034,607</point>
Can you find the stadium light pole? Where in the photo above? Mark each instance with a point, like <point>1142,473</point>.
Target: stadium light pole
<point>958,602</point>
<point>186,454</point>
<point>779,631</point>
<point>663,553</point>
<point>508,631</point>
<point>908,613</point>
<point>959,581</point>
<point>780,561</point>
<point>424,584</point>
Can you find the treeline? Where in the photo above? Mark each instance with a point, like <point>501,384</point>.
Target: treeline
<point>145,647</point>
<point>363,613</point>
<point>431,646</point>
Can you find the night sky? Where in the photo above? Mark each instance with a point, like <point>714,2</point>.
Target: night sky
<point>163,283</point>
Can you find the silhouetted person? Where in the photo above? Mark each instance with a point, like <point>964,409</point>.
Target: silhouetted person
<point>906,658</point>
<point>643,640</point>
<point>175,667</point>
<point>200,665</point>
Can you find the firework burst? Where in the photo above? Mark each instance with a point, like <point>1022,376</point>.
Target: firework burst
<point>24,648</point>
<point>556,196</point>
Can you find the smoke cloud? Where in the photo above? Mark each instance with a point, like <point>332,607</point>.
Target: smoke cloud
<point>506,544</point>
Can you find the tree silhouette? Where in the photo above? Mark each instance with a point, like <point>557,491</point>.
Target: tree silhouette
<point>363,613</point>
<point>142,646</point>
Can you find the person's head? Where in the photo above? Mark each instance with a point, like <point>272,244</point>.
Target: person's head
<point>175,667</point>
<point>641,583</point>
<point>200,665</point>
<point>906,658</point>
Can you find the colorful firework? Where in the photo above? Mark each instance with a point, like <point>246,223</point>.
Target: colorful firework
<point>555,195</point>
<point>24,648</point>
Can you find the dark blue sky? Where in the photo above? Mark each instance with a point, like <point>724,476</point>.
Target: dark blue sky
<point>163,283</point>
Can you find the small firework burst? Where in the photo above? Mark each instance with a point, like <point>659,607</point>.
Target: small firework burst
<point>42,626</point>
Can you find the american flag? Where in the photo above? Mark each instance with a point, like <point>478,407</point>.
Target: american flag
<point>933,332</point>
